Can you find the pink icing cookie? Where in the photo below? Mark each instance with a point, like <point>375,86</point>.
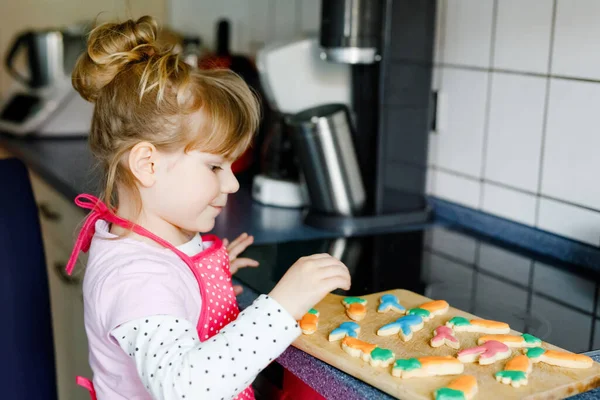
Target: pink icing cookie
<point>442,335</point>
<point>487,353</point>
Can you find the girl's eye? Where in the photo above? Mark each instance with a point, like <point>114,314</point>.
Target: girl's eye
<point>215,168</point>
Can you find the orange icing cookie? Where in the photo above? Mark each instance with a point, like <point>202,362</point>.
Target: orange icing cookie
<point>355,307</point>
<point>370,353</point>
<point>515,372</point>
<point>464,388</point>
<point>559,358</point>
<point>427,366</point>
<point>430,309</point>
<point>460,324</point>
<point>525,340</point>
<point>309,322</point>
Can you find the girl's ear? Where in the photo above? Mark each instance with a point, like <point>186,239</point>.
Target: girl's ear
<point>142,158</point>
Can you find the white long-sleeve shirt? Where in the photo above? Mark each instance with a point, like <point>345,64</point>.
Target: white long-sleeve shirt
<point>174,364</point>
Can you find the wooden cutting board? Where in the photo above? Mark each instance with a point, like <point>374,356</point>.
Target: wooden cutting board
<point>545,382</point>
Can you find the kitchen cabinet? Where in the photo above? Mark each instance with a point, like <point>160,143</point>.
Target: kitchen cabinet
<point>59,220</point>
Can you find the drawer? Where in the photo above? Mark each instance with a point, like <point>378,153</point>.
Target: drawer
<point>59,217</point>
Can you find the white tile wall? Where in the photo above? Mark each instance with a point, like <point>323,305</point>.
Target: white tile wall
<point>468,32</point>
<point>509,203</point>
<point>523,35</point>
<point>448,186</point>
<point>539,130</point>
<point>570,221</point>
<point>460,141</point>
<point>576,48</point>
<point>516,120</point>
<point>571,149</point>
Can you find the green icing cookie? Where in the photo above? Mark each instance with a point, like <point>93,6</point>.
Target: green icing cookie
<point>449,394</point>
<point>313,311</point>
<point>535,352</point>
<point>460,321</point>
<point>381,354</point>
<point>512,375</point>
<point>530,338</point>
<point>352,300</point>
<point>418,311</point>
<point>407,364</point>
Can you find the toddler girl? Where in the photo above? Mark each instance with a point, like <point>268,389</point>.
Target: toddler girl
<point>160,311</point>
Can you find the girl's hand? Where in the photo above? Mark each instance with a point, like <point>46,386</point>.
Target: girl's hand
<point>234,249</point>
<point>308,281</point>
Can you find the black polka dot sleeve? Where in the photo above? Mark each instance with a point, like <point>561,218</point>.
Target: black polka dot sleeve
<point>173,364</point>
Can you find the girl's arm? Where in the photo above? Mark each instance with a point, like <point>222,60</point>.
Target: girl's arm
<point>173,364</point>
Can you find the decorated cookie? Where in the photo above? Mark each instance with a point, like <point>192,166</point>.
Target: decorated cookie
<point>515,371</point>
<point>558,358</point>
<point>427,366</point>
<point>525,340</point>
<point>389,302</point>
<point>370,353</point>
<point>460,324</point>
<point>488,353</point>
<point>309,322</point>
<point>429,310</point>
<point>462,388</point>
<point>405,326</point>
<point>355,307</point>
<point>351,329</point>
<point>442,335</point>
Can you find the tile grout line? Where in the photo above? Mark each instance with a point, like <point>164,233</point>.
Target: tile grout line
<point>512,188</point>
<point>488,101</point>
<point>545,118</point>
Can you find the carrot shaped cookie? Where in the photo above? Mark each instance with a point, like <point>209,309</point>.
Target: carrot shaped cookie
<point>351,329</point>
<point>462,388</point>
<point>515,372</point>
<point>405,326</point>
<point>427,366</point>
<point>389,302</point>
<point>488,353</point>
<point>525,340</point>
<point>442,335</point>
<point>370,353</point>
<point>559,358</point>
<point>429,310</point>
<point>309,322</point>
<point>355,307</point>
<point>460,324</point>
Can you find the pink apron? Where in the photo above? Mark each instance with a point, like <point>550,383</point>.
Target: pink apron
<point>210,267</point>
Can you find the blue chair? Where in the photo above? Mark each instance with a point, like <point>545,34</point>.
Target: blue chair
<point>28,370</point>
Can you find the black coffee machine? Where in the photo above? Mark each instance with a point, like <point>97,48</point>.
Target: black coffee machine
<point>361,32</point>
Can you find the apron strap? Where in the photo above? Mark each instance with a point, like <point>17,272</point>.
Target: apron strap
<point>87,384</point>
<point>99,210</point>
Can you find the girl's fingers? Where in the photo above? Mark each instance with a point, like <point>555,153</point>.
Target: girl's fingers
<point>242,263</point>
<point>237,290</point>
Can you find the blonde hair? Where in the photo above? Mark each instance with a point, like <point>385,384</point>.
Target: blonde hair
<point>145,92</point>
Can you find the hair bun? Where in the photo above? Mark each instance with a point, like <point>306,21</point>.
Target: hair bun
<point>111,47</point>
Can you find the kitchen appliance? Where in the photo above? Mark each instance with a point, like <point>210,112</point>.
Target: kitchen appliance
<point>41,100</point>
<point>351,31</point>
<point>323,141</point>
<point>294,78</point>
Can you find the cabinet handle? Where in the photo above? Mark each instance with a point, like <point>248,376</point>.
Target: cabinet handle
<point>59,268</point>
<point>48,214</point>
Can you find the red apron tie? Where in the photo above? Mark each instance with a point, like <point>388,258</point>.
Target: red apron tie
<point>84,239</point>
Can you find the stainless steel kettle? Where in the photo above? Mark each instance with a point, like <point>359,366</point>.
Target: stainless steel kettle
<point>51,54</point>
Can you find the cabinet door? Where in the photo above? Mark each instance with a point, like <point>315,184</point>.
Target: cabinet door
<point>70,342</point>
